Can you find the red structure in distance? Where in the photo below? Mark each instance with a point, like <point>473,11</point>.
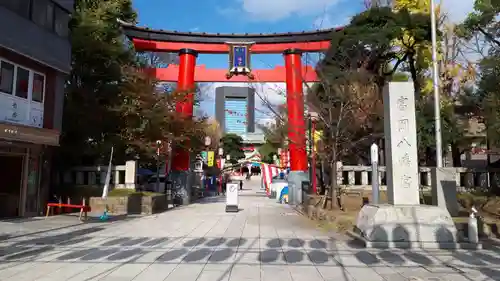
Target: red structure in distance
<point>189,44</point>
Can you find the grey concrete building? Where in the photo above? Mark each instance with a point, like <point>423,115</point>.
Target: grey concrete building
<point>224,96</point>
<point>35,59</point>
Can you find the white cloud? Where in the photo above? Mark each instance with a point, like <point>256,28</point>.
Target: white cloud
<point>330,20</point>
<point>280,9</point>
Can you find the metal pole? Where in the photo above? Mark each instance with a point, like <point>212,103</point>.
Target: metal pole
<point>310,153</point>
<point>158,146</point>
<point>375,187</point>
<point>157,173</point>
<point>313,159</point>
<point>435,74</point>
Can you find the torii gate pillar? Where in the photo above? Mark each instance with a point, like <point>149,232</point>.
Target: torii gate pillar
<point>180,161</point>
<point>296,125</point>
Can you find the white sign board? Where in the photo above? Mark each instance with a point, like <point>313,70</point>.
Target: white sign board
<point>232,195</point>
<point>20,111</point>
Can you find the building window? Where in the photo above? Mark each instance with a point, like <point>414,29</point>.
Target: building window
<point>38,87</point>
<point>22,82</point>
<point>6,77</point>
<point>236,115</point>
<point>43,13</point>
<point>20,7</point>
<point>61,21</point>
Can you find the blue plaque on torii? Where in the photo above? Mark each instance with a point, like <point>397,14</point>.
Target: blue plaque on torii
<point>239,60</point>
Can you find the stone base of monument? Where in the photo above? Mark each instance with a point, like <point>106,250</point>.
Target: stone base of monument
<point>181,185</point>
<point>408,226</point>
<point>295,179</point>
<point>232,208</point>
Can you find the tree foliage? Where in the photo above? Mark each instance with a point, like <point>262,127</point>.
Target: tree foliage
<point>355,69</point>
<point>267,151</point>
<point>378,45</point>
<point>485,100</point>
<point>233,146</point>
<point>109,102</point>
<point>483,20</point>
<point>276,133</point>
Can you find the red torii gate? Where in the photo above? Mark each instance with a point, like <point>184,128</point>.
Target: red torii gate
<point>189,44</point>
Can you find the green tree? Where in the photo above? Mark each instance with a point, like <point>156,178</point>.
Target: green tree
<point>109,101</point>
<point>99,53</point>
<point>267,151</point>
<point>233,146</point>
<point>483,20</point>
<point>374,48</point>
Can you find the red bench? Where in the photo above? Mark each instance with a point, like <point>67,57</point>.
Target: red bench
<point>84,209</point>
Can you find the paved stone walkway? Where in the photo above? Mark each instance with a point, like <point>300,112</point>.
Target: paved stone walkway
<point>200,242</point>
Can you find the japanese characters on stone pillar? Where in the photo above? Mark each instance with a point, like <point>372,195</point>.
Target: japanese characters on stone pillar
<point>401,144</point>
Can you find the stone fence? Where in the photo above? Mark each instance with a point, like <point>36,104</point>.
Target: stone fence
<point>355,177</point>
<point>122,176</point>
<point>359,177</point>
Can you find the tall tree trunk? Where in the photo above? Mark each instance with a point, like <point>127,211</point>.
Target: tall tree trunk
<point>414,75</point>
<point>332,193</point>
<point>322,182</point>
<point>430,159</point>
<point>455,155</point>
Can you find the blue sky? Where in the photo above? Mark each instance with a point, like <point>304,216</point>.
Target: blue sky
<point>245,16</point>
<point>257,16</point>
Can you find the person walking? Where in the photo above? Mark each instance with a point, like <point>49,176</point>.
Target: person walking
<point>241,185</point>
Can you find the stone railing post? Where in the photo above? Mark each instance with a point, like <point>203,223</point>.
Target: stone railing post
<point>92,180</point>
<point>484,179</point>
<point>351,178</point>
<point>79,178</point>
<point>340,176</point>
<point>102,178</point>
<point>364,177</point>
<point>131,174</point>
<point>67,177</point>
<point>116,177</point>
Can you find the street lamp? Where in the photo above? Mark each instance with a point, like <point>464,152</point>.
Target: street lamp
<point>435,78</point>
<point>158,146</point>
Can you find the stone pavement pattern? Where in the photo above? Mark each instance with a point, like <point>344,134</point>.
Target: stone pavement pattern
<point>200,242</point>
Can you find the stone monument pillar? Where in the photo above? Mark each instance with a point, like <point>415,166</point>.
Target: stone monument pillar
<point>400,130</point>
<point>403,223</point>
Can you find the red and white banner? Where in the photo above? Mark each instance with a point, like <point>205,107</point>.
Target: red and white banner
<point>268,171</point>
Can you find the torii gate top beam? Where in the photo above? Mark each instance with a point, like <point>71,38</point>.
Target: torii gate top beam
<point>146,39</point>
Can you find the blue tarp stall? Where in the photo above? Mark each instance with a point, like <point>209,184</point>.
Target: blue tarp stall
<point>283,195</point>
<point>145,172</point>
